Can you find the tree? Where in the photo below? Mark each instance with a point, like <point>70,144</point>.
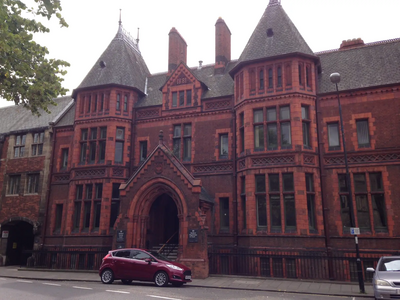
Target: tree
<point>27,77</point>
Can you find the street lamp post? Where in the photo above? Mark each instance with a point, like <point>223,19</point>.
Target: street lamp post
<point>335,78</point>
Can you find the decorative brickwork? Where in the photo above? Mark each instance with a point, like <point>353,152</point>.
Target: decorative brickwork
<point>90,173</point>
<point>309,160</point>
<point>276,160</point>
<point>360,159</point>
<point>118,172</point>
<point>63,177</point>
<point>144,114</point>
<point>213,168</point>
<point>218,105</point>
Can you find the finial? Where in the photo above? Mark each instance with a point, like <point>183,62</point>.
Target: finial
<point>120,21</point>
<point>274,2</point>
<point>137,39</point>
<point>161,137</point>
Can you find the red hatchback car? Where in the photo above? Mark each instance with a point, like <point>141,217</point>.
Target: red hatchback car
<point>137,264</point>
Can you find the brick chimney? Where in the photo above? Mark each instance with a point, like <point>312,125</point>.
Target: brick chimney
<point>222,46</point>
<point>177,50</point>
<point>349,44</point>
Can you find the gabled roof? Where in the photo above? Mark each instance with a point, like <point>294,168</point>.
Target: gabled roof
<point>218,85</point>
<point>16,118</point>
<point>275,35</point>
<point>370,65</point>
<point>120,64</point>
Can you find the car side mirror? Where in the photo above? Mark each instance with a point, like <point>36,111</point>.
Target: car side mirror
<point>372,270</point>
<point>148,260</point>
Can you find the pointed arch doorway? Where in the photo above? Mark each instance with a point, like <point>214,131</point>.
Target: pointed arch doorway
<point>163,226</point>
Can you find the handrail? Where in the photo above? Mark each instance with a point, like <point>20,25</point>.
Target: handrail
<point>159,251</point>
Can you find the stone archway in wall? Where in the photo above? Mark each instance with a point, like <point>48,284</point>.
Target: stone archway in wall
<point>157,212</point>
<point>20,236</point>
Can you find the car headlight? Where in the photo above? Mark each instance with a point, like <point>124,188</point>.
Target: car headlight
<point>382,282</point>
<point>174,267</point>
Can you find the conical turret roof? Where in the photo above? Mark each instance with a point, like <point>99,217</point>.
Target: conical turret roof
<point>120,64</point>
<point>275,35</point>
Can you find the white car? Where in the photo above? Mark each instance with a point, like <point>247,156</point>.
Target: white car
<point>386,280</point>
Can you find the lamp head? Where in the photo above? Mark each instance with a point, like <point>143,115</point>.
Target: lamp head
<point>335,78</point>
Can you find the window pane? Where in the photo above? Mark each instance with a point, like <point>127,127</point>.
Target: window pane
<point>376,182</point>
<point>79,192</point>
<point>119,148</point>
<point>114,212</point>
<point>290,212</point>
<point>86,216</point>
<point>259,137</point>
<point>187,130</point>
<point>258,116</point>
<point>187,148</point>
<point>362,133</point>
<point>271,114</point>
<point>92,151</point>
<point>363,212</point>
<point>181,98</point>
<point>309,183</point>
<point>102,145</point>
<point>189,97</point>
<point>273,182</point>
<point>99,191</point>
<point>89,191</point>
<point>311,211</point>
<point>285,134</point>
<point>224,213</point>
<point>342,183</point>
<point>304,113</point>
<point>272,132</point>
<point>379,211</point>
<point>306,134</point>
<point>103,132</point>
<point>261,211</point>
<point>275,211</point>
<point>83,153</point>
<point>288,184</point>
<point>93,133</point>
<point>174,99</point>
<point>360,184</point>
<point>23,139</point>
<point>223,145</point>
<point>115,191</point>
<point>96,217</point>
<point>143,150</point>
<point>284,113</point>
<point>177,131</point>
<point>260,183</point>
<point>177,148</point>
<point>84,134</point>
<point>59,209</point>
<point>345,211</point>
<point>333,135</point>
<point>120,133</point>
<point>77,214</point>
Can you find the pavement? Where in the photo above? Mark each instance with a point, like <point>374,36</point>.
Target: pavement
<point>329,288</point>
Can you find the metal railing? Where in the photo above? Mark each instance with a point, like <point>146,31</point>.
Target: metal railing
<point>66,258</point>
<point>321,265</point>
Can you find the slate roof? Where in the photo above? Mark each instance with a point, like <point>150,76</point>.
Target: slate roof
<point>285,39</point>
<point>120,64</point>
<point>371,65</point>
<point>16,118</point>
<point>68,118</point>
<point>218,85</point>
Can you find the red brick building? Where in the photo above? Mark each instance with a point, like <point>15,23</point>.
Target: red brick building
<point>242,153</point>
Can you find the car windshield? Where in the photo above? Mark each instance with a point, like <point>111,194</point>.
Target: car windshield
<point>158,255</point>
<point>390,264</point>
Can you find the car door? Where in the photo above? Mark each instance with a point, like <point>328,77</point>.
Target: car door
<point>121,259</point>
<point>144,270</point>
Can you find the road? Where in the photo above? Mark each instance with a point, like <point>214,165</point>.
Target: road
<point>17,289</point>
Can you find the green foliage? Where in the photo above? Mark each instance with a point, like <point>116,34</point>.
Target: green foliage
<point>27,77</point>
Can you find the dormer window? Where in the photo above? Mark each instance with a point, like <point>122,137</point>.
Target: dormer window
<point>182,98</point>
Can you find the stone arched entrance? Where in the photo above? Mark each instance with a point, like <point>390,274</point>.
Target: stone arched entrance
<point>20,237</point>
<point>163,224</point>
<point>156,213</point>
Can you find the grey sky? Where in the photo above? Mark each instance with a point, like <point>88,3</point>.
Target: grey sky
<point>94,23</point>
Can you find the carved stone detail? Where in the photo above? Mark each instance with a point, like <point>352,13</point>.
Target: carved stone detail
<point>309,159</point>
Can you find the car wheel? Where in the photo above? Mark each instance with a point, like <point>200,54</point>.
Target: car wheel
<point>177,284</point>
<point>107,276</point>
<point>126,281</point>
<point>161,279</point>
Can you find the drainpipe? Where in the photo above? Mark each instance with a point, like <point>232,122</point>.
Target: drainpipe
<point>46,213</point>
<point>321,151</point>
<point>234,157</point>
